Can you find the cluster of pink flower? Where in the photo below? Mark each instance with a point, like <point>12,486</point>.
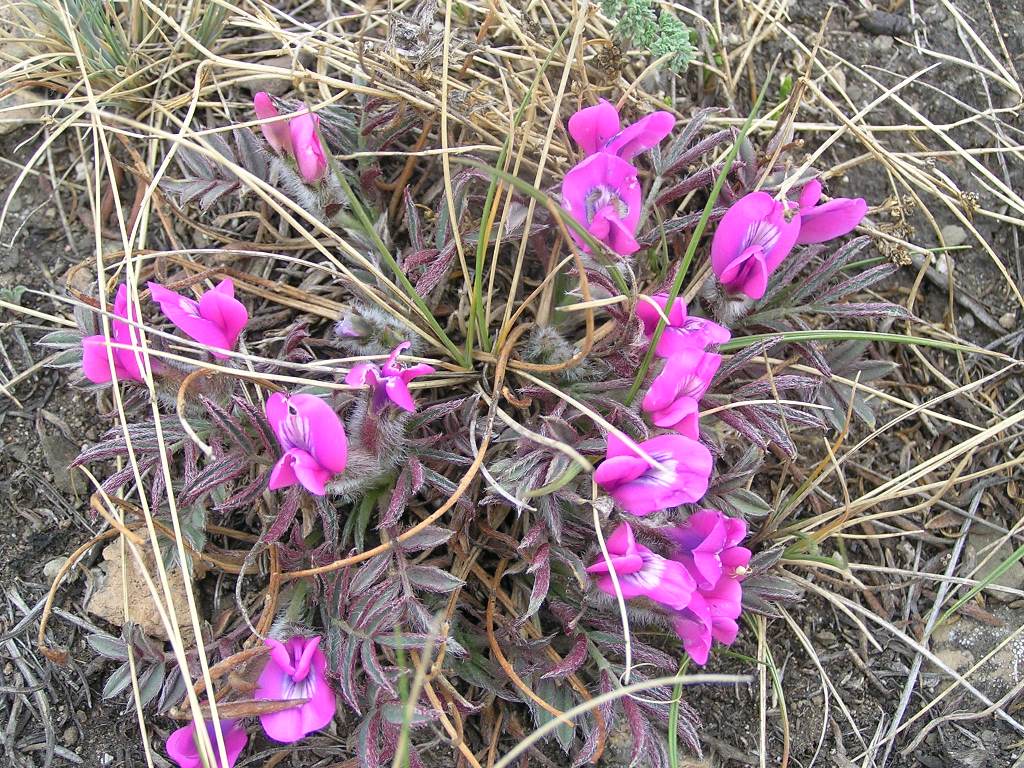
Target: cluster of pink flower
<point>699,583</point>
<point>310,432</point>
<point>758,232</point>
<point>294,136</point>
<point>312,435</point>
<point>296,670</point>
<point>216,320</point>
<point>603,192</point>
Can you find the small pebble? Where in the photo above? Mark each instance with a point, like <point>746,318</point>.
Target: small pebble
<point>954,235</point>
<point>70,737</point>
<point>52,568</point>
<point>1008,321</point>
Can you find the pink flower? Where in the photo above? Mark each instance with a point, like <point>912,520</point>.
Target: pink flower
<point>313,439</point>
<point>182,747</point>
<point>389,381</point>
<point>682,332</point>
<point>276,133</point>
<point>708,545</point>
<point>642,573</point>
<point>216,319</point>
<point>296,670</point>
<point>309,152</point>
<point>835,218</point>
<point>95,365</point>
<point>295,136</point>
<point>680,476</point>
<point>602,193</point>
<point>708,548</point>
<point>596,129</point>
<point>752,239</point>
<point>675,392</point>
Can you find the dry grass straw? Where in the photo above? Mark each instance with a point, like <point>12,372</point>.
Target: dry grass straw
<point>170,103</point>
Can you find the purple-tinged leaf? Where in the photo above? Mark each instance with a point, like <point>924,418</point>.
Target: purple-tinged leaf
<point>702,147</point>
<point>373,669</point>
<point>541,570</point>
<point>572,661</point>
<point>286,513</point>
<point>245,496</point>
<point>213,475</point>
<point>226,421</point>
<point>743,426</point>
<point>858,282</point>
<point>367,573</point>
<point>428,538</point>
<point>432,579</point>
<point>368,740</point>
<point>108,647</point>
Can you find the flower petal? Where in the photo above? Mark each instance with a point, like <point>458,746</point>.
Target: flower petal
<point>276,133</point>
<point>810,194</point>
<point>327,434</point>
<point>730,235</point>
<point>185,313</point>
<point>95,363</point>
<point>639,137</point>
<point>309,152</point>
<point>832,219</point>
<point>221,307</point>
<point>592,127</point>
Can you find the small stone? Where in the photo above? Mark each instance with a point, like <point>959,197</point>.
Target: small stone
<point>1008,321</point>
<point>18,109</point>
<point>52,568</point>
<point>70,737</point>
<point>108,603</point>
<point>953,235</point>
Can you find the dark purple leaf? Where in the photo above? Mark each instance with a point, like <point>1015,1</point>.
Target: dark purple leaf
<point>571,662</point>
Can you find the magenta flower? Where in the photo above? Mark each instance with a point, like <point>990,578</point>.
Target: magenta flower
<point>835,218</point>
<point>708,545</point>
<point>602,193</point>
<point>680,476</point>
<point>276,133</point>
<point>216,320</point>
<point>183,749</point>
<point>596,129</point>
<point>295,136</point>
<point>389,381</point>
<point>675,392</point>
<point>309,152</point>
<point>296,670</point>
<point>95,365</point>
<point>708,548</point>
<point>752,239</point>
<point>313,439</point>
<point>682,332</point>
<point>642,573</point>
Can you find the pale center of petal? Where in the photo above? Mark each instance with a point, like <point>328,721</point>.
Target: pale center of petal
<point>664,474</point>
<point>295,430</point>
<point>303,689</point>
<point>188,306</point>
<point>761,233</point>
<point>601,196</point>
<point>649,575</point>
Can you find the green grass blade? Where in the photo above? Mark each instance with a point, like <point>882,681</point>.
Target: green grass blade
<point>476,300</point>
